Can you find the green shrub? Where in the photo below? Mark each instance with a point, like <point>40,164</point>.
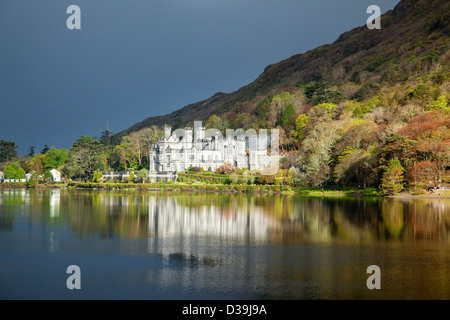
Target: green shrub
<point>266,179</point>
<point>33,180</point>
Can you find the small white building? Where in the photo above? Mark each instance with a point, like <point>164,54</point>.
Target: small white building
<point>15,180</point>
<point>119,175</point>
<point>56,175</point>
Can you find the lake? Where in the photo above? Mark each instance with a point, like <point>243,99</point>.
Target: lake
<point>166,245</point>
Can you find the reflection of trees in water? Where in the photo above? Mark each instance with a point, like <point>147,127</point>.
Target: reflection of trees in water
<point>10,200</point>
<point>108,214</point>
<point>392,217</point>
<point>276,217</point>
<point>428,219</point>
<point>6,222</point>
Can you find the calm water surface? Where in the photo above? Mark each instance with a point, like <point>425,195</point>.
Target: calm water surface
<point>142,245</point>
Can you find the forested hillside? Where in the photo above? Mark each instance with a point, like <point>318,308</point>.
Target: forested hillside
<point>370,109</point>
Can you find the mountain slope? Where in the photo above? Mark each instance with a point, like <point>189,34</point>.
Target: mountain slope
<point>408,44</point>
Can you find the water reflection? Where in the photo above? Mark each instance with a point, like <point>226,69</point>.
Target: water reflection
<point>170,217</point>
<point>257,217</point>
<point>206,245</point>
<point>54,202</point>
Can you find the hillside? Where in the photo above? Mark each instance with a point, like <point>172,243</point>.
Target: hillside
<point>411,40</point>
<point>371,109</point>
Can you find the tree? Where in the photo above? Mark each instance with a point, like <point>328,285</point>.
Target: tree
<point>358,136</point>
<point>323,111</point>
<point>215,122</point>
<point>7,151</point>
<point>106,137</point>
<point>243,121</point>
<point>300,124</point>
<point>288,113</point>
<point>354,165</point>
<point>131,177</point>
<point>422,175</point>
<point>142,175</point>
<point>148,137</point>
<point>316,153</point>
<point>31,151</point>
<point>97,177</point>
<point>434,147</point>
<point>123,154</point>
<point>135,146</point>
<point>401,148</point>
<point>55,158</point>
<point>392,181</point>
<point>35,163</point>
<point>263,111</point>
<point>422,123</point>
<point>45,150</point>
<point>33,180</point>
<point>13,171</point>
<point>440,103</point>
<point>86,153</point>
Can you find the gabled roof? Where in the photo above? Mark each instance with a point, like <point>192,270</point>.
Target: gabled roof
<point>172,138</point>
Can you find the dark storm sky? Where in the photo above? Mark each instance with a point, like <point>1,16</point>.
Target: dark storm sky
<point>139,58</point>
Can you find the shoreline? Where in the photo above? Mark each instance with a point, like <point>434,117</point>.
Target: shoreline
<point>408,195</point>
<point>210,188</point>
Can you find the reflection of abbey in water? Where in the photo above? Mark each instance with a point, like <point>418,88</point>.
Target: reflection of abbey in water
<point>181,149</point>
<point>168,218</point>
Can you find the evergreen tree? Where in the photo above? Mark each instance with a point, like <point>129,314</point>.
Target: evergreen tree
<point>392,181</point>
<point>7,150</point>
<point>131,177</point>
<point>32,151</point>
<point>106,137</point>
<point>263,109</point>
<point>286,117</point>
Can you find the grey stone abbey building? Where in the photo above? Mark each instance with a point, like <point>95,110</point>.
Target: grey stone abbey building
<point>197,147</point>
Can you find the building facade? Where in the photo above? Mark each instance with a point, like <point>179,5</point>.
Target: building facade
<point>197,147</point>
